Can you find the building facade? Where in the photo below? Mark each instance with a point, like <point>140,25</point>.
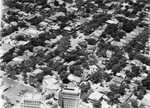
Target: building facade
<point>31,101</point>
<point>69,97</point>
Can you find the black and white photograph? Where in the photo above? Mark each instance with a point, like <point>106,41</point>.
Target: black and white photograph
<point>74,53</point>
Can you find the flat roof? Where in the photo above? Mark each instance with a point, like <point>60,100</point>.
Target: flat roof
<point>31,95</point>
<point>71,88</point>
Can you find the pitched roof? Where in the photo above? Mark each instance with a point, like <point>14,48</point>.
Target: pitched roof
<point>95,96</point>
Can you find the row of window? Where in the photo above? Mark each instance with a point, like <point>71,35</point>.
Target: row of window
<point>31,102</point>
<point>30,107</point>
<point>64,93</point>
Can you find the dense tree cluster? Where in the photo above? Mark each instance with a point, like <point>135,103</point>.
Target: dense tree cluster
<point>9,30</point>
<point>116,63</point>
<point>91,41</point>
<point>137,45</point>
<point>97,77</point>
<point>125,105</point>
<point>63,44</point>
<point>97,104</point>
<point>76,70</point>
<point>8,56</point>
<point>140,92</point>
<point>20,38</point>
<point>116,89</point>
<point>113,97</point>
<point>64,61</point>
<point>85,87</point>
<point>129,26</point>
<point>146,82</point>
<point>98,20</point>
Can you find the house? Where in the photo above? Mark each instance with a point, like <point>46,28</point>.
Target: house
<point>116,80</point>
<point>95,96</point>
<point>105,104</point>
<point>146,100</point>
<point>74,78</point>
<point>113,21</point>
<point>18,59</point>
<point>36,71</point>
<point>31,17</point>
<point>50,83</point>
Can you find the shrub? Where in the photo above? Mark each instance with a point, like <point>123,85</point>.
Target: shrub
<point>96,77</point>
<point>20,38</point>
<point>129,26</point>
<point>91,41</point>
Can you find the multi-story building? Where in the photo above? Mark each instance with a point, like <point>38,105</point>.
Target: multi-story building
<point>31,100</point>
<point>69,97</point>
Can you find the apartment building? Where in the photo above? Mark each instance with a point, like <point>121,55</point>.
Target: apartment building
<point>69,97</point>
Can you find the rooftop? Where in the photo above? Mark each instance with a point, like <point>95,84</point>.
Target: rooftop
<point>146,100</point>
<point>71,88</point>
<point>95,96</point>
<point>71,77</point>
<point>36,96</point>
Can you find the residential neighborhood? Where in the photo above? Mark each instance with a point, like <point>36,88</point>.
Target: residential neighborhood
<point>75,54</point>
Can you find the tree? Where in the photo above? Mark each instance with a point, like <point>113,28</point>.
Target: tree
<point>70,57</point>
<point>63,75</point>
<point>135,70</point>
<point>22,24</point>
<point>134,103</point>
<point>97,104</point>
<point>10,71</point>
<point>128,26</point>
<point>91,41</point>
<point>96,77</point>
<point>32,80</point>
<point>116,68</point>
<point>25,77</point>
<point>129,74</point>
<point>85,87</point>
<point>146,82</point>
<point>64,44</point>
<point>7,58</point>
<point>114,88</point>
<point>49,63</point>
<point>113,97</point>
<point>76,70</point>
<point>47,71</point>
<point>39,77</point>
<point>39,2</point>
<point>20,38</point>
<point>140,91</point>
<point>125,105</point>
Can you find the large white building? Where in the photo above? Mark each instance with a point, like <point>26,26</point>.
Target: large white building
<point>31,100</point>
<point>69,97</point>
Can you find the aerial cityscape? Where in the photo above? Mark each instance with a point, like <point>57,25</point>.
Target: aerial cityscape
<point>75,54</point>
